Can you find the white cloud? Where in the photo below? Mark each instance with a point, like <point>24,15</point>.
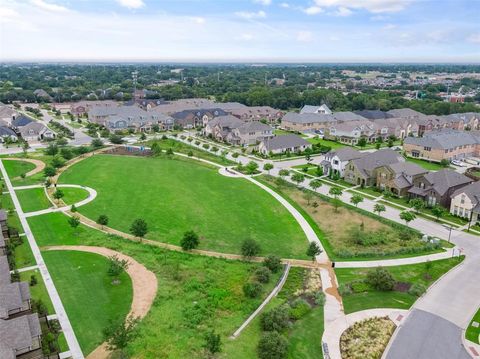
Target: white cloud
<point>245,37</point>
<point>374,6</point>
<point>251,15</point>
<point>285,5</point>
<point>343,11</point>
<point>312,10</point>
<point>263,2</point>
<point>49,6</point>
<point>389,27</point>
<point>131,4</point>
<point>304,36</point>
<point>474,38</point>
<point>198,19</point>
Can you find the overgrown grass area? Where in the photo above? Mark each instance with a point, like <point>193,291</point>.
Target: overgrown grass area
<point>195,294</point>
<point>38,291</point>
<point>88,293</point>
<point>17,168</point>
<point>177,195</point>
<point>369,191</point>
<point>473,333</point>
<point>360,296</point>
<point>33,199</point>
<point>350,233</point>
<point>182,147</point>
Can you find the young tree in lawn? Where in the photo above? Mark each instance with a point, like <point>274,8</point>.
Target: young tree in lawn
<point>102,220</point>
<point>139,228</point>
<point>283,173</point>
<point>417,204</point>
<point>74,222</point>
<point>267,167</point>
<point>308,157</point>
<point>308,195</point>
<point>116,267</point>
<point>315,184</point>
<point>313,250</point>
<point>356,199</point>
<point>190,240</point>
<point>379,208</point>
<point>362,142</point>
<point>250,248</point>
<point>335,192</point>
<point>96,143</point>
<point>336,203</point>
<point>438,211</point>
<point>251,167</point>
<point>297,178</point>
<point>58,195</point>
<point>49,171</point>
<point>118,334</point>
<point>407,216</point>
<point>25,148</point>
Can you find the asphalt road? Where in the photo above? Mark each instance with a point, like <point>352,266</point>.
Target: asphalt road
<point>427,336</point>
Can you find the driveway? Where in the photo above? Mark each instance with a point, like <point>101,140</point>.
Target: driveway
<point>80,137</point>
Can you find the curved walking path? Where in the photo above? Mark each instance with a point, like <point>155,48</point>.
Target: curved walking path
<point>144,284</point>
<point>39,165</point>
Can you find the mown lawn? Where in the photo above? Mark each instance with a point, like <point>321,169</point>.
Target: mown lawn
<point>195,294</point>
<point>17,168</point>
<point>87,292</point>
<point>332,144</point>
<point>431,166</point>
<point>472,333</point>
<point>33,199</point>
<point>367,298</point>
<point>38,292</point>
<point>73,195</point>
<point>177,195</point>
<point>23,254</point>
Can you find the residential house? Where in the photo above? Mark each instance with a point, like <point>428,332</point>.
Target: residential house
<point>35,131</point>
<point>323,109</point>
<point>293,121</point>
<point>363,171</point>
<point>3,245</point>
<point>438,187</point>
<point>20,335</point>
<point>373,114</point>
<point>7,114</point>
<point>256,113</point>
<point>398,177</point>
<point>42,94</point>
<point>335,161</point>
<point>82,107</point>
<point>249,133</point>
<point>14,299</point>
<point>221,126</point>
<point>443,145</point>
<point>351,132</point>
<point>196,117</point>
<point>471,120</point>
<point>5,277</point>
<point>7,134</point>
<point>465,202</point>
<point>20,121</point>
<point>3,222</point>
<point>282,144</point>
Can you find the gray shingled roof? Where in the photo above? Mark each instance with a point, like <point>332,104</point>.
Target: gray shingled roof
<point>405,113</point>
<point>345,154</point>
<point>254,126</point>
<point>3,215</point>
<point>4,271</point>
<point>6,131</point>
<point>17,333</point>
<point>21,120</point>
<point>2,240</point>
<point>12,296</point>
<point>283,142</point>
<point>307,117</point>
<point>444,139</point>
<point>445,179</point>
<point>347,116</point>
<point>374,114</point>
<point>407,168</point>
<point>227,121</point>
<point>373,160</point>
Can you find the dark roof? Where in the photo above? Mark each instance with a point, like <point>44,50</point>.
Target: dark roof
<point>21,120</point>
<point>3,215</point>
<point>4,271</point>
<point>445,179</point>
<point>444,139</point>
<point>407,168</point>
<point>284,142</point>
<point>373,160</point>
<point>374,114</point>
<point>17,333</point>
<point>12,296</point>
<point>6,131</point>
<point>198,112</point>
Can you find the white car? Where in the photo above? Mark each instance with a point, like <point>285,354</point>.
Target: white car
<point>457,163</point>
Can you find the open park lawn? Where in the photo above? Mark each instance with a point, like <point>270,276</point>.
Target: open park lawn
<point>17,168</point>
<point>332,144</point>
<point>195,293</point>
<point>364,297</point>
<point>350,233</point>
<point>33,199</point>
<point>38,292</point>
<point>73,195</point>
<point>23,254</point>
<point>177,195</point>
<point>87,292</point>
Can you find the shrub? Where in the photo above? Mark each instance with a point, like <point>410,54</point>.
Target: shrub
<point>359,286</point>
<point>250,248</point>
<point>299,308</point>
<point>320,298</point>
<point>405,235</point>
<point>344,290</point>
<point>213,342</point>
<point>272,346</point>
<point>275,319</point>
<point>33,280</point>
<point>380,279</point>
<point>252,289</point>
<point>189,241</point>
<point>262,274</point>
<point>273,263</point>
<point>417,289</point>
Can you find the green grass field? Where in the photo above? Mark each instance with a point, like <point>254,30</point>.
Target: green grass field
<point>370,298</point>
<point>177,195</point>
<point>87,292</point>
<point>23,255</point>
<point>472,333</point>
<point>332,144</point>
<point>33,199</point>
<point>17,168</point>
<point>38,291</point>
<point>431,166</point>
<point>73,195</point>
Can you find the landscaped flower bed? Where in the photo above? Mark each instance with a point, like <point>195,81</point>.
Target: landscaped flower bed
<point>366,339</point>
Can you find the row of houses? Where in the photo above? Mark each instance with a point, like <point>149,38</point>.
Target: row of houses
<point>20,329</point>
<point>14,125</point>
<point>348,127</point>
<point>388,170</point>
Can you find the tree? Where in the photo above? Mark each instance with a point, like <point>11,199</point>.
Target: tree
<point>96,143</point>
<point>143,136</point>
<point>250,248</point>
<point>116,139</point>
<point>407,216</point>
<point>444,163</point>
<point>335,192</point>
<point>74,222</point>
<point>213,342</point>
<point>438,211</point>
<point>119,333</point>
<point>50,171</point>
<point>58,195</point>
<point>73,209</point>
<point>417,204</point>
<point>308,195</point>
<point>116,266</point>
<point>362,142</point>
<point>273,263</point>
<point>57,161</point>
<point>298,178</point>
<point>380,279</point>
<point>251,167</point>
<point>315,184</point>
<point>276,319</point>
<point>308,157</point>
<point>272,346</point>
<point>356,199</point>
<point>252,289</point>
<point>169,151</point>
<point>267,167</point>
<point>139,228</point>
<point>262,274</point>
<point>283,173</point>
<point>190,240</point>
<point>379,208</point>
<point>313,250</point>
<point>102,220</point>
<point>51,150</point>
<point>25,148</point>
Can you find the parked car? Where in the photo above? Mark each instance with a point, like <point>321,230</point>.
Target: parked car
<point>458,163</point>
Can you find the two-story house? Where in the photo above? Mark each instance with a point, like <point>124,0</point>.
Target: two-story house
<point>249,133</point>
<point>334,162</point>
<point>398,177</point>
<point>465,202</point>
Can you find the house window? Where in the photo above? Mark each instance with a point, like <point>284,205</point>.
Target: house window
<point>455,210</point>
<point>462,199</point>
<point>427,148</point>
<point>335,162</point>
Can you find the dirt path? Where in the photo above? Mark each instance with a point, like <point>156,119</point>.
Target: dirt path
<point>39,165</point>
<point>144,283</point>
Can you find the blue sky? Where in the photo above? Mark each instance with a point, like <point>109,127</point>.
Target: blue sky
<point>241,30</point>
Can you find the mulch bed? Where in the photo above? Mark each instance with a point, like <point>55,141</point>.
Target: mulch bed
<point>402,287</point>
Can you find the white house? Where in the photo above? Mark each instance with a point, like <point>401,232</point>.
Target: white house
<point>466,202</point>
<point>336,161</point>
